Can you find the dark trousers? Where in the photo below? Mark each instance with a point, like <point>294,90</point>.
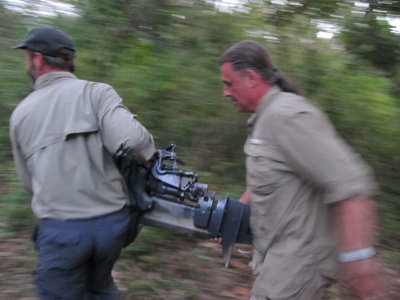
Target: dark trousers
<point>76,257</point>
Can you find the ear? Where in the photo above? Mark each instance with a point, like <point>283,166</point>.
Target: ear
<point>253,77</point>
<point>37,60</point>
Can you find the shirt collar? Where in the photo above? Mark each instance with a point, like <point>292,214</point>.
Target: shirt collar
<point>51,77</point>
<point>265,101</point>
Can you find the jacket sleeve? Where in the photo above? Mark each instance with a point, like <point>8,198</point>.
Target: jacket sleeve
<point>315,151</point>
<point>121,130</point>
<point>20,162</point>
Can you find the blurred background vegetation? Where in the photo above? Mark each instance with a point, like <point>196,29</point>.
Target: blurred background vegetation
<point>162,58</point>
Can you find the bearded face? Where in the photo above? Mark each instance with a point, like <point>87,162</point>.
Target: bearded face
<point>31,68</point>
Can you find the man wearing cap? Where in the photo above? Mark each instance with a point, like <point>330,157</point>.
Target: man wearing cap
<point>304,185</point>
<point>64,136</point>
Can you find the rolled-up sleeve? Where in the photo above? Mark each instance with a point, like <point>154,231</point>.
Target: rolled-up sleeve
<point>121,130</point>
<point>320,156</point>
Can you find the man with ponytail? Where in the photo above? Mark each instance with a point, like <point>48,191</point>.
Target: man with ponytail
<point>312,212</point>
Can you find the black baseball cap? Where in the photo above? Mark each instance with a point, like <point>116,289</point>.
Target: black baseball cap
<point>46,40</point>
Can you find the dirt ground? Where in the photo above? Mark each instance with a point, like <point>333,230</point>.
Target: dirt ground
<point>155,266</point>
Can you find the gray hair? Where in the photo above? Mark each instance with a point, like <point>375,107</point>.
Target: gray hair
<point>63,61</point>
<point>249,54</point>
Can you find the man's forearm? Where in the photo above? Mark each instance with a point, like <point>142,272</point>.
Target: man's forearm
<point>355,220</point>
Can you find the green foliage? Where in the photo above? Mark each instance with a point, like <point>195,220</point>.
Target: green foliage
<point>389,6</point>
<point>162,58</point>
<point>373,41</point>
<point>392,259</point>
<point>389,208</point>
<point>15,213</point>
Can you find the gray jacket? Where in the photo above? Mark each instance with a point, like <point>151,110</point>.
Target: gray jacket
<point>64,136</point>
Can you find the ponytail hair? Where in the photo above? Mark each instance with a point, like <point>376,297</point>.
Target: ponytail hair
<point>249,54</point>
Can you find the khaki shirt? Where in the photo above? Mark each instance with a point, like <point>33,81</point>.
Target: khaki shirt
<point>63,137</point>
<point>296,166</point>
